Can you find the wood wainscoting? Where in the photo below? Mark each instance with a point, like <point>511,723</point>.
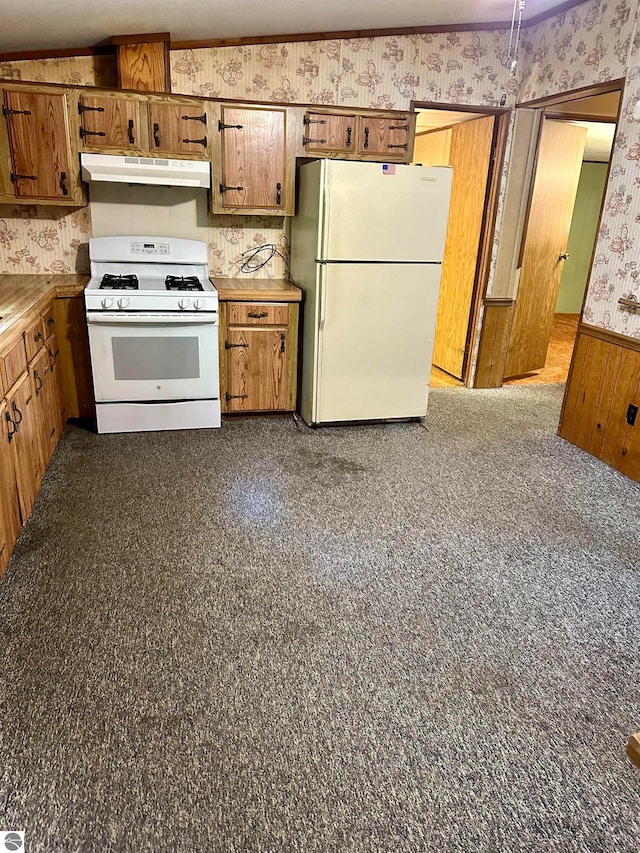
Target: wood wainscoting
<point>494,342</point>
<point>602,399</point>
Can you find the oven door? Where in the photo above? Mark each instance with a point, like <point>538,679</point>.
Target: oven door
<point>153,356</point>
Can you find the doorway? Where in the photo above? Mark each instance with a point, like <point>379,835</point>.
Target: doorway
<point>530,339</point>
<point>575,142</point>
<point>472,141</point>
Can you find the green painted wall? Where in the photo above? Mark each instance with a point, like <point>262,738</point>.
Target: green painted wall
<point>581,238</point>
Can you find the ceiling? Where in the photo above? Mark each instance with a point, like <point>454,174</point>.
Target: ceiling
<point>41,24</point>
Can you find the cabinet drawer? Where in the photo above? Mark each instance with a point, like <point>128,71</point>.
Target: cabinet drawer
<point>34,338</point>
<point>246,314</point>
<point>14,363</point>
<point>49,322</point>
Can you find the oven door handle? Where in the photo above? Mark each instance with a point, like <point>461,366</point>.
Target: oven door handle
<point>201,319</point>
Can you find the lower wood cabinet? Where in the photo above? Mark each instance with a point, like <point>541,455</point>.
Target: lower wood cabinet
<point>24,439</point>
<point>258,354</point>
<point>9,514</point>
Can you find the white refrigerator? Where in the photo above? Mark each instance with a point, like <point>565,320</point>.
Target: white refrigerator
<point>366,248</point>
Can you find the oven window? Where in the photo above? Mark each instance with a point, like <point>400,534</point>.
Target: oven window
<point>156,358</point>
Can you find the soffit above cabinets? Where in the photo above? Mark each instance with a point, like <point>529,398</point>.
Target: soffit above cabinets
<point>47,24</point>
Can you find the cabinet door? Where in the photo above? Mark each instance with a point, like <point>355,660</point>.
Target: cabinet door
<point>54,393</point>
<point>25,446</point>
<point>176,128</point>
<point>109,122</point>
<point>41,384</point>
<point>257,376</point>
<point>324,132</point>
<point>384,136</point>
<point>39,141</point>
<point>9,512</point>
<point>253,157</point>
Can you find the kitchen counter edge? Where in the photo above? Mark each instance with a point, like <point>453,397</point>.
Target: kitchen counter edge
<point>22,295</point>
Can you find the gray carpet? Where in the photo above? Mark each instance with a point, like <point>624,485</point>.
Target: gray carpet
<point>382,638</point>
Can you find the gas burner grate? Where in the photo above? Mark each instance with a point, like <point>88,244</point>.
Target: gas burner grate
<point>183,282</point>
<point>119,282</point>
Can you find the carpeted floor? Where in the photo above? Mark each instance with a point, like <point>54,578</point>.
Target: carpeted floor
<point>382,638</point>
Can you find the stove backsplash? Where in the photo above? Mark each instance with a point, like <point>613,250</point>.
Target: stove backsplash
<point>55,240</point>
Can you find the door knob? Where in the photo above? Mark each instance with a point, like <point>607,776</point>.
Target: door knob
<point>564,256</point>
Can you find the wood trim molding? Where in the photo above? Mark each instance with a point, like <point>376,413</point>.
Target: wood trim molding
<point>568,116</point>
<point>137,39</point>
<point>616,85</point>
<point>633,748</point>
<point>457,108</point>
<point>611,337</point>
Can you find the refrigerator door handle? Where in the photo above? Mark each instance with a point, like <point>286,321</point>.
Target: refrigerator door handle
<point>323,297</point>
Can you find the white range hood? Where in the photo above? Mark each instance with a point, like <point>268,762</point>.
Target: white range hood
<point>158,171</point>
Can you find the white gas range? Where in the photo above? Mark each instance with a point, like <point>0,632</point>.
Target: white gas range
<point>152,315</point>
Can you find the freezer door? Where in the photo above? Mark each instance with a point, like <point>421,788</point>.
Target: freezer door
<point>384,212</point>
<point>377,325</point>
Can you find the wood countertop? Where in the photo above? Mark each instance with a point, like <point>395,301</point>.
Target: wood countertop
<point>21,295</point>
<point>256,290</point>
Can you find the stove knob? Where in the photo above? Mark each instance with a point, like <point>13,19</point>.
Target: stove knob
<point>183,303</point>
<point>197,304</point>
<point>107,302</point>
<point>123,302</point>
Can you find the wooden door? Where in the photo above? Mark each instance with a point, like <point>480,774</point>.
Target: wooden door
<point>555,184</point>
<point>324,132</point>
<point>109,122</point>
<point>25,443</point>
<point>39,142</point>
<point>9,511</point>
<point>470,155</point>
<point>253,157</point>
<point>176,128</point>
<point>383,136</point>
<point>257,375</point>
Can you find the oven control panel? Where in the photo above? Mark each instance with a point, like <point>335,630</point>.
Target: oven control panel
<point>149,248</point>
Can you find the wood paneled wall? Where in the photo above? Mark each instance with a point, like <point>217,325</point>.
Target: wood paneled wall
<point>603,383</point>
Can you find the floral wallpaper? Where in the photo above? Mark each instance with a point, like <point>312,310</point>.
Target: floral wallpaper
<point>598,41</point>
<point>72,70</point>
<point>381,72</point>
<point>44,239</point>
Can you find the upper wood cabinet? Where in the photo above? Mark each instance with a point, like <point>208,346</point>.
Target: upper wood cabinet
<point>366,135</point>
<point>178,128</point>
<point>111,121</point>
<point>388,137</point>
<point>252,161</point>
<point>326,132</point>
<point>42,162</point>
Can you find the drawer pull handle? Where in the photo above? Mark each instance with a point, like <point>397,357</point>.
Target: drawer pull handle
<point>37,337</point>
<point>227,345</point>
<point>282,337</point>
<point>156,134</point>
<point>225,189</point>
<point>13,427</point>
<point>349,132</point>
<point>404,147</point>
<point>235,396</point>
<point>257,314</point>
<point>50,321</point>
<point>366,137</point>
<point>130,131</point>
<point>278,193</point>
<point>17,418</point>
<point>39,383</point>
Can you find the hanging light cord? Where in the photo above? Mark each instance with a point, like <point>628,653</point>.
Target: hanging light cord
<point>514,36</point>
